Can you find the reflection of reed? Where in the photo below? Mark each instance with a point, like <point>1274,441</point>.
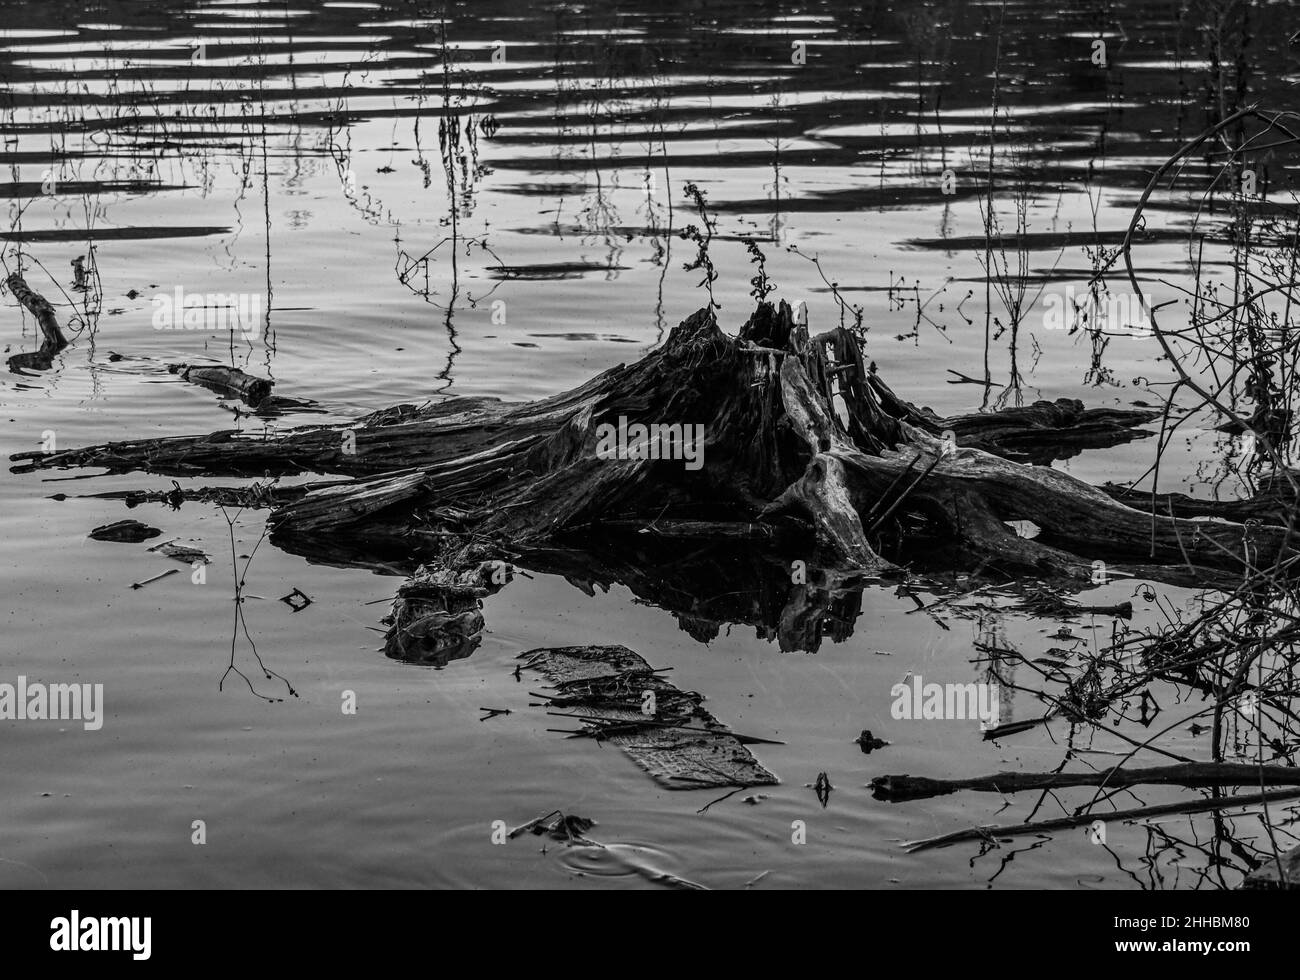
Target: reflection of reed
<point>240,623</point>
<point>459,130</point>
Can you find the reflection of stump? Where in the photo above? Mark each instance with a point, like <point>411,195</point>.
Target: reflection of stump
<point>436,617</point>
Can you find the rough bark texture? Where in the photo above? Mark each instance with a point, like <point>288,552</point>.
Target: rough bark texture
<point>1270,877</point>
<point>804,444</point>
<point>225,381</point>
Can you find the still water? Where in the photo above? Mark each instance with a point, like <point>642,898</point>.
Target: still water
<point>418,201</point>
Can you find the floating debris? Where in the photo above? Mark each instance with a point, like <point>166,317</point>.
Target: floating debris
<point>619,698</point>
<point>823,789</point>
<point>225,381</point>
<point>127,532</point>
<point>182,553</point>
<point>436,616</point>
<point>869,742</point>
<point>1045,603</point>
<point>571,830</point>
<point>79,283</point>
<point>565,827</point>
<point>297,600</point>
<point>160,575</point>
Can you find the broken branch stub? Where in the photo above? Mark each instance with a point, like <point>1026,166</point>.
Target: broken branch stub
<point>226,381</point>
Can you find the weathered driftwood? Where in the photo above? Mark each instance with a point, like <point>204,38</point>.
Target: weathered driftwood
<point>228,381</point>
<point>1190,774</point>
<point>181,552</point>
<point>568,828</point>
<point>382,442</point>
<point>52,339</point>
<point>798,433</point>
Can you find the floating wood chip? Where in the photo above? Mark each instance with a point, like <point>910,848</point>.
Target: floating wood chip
<point>130,532</point>
<point>678,742</point>
<point>182,553</point>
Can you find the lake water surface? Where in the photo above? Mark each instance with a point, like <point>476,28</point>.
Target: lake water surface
<point>486,199</point>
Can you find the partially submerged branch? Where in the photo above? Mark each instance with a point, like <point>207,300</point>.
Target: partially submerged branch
<point>52,339</point>
<point>1189,774</point>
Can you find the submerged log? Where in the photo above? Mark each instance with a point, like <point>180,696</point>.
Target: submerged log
<point>52,339</point>
<point>381,442</point>
<point>1189,774</point>
<point>798,435</point>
